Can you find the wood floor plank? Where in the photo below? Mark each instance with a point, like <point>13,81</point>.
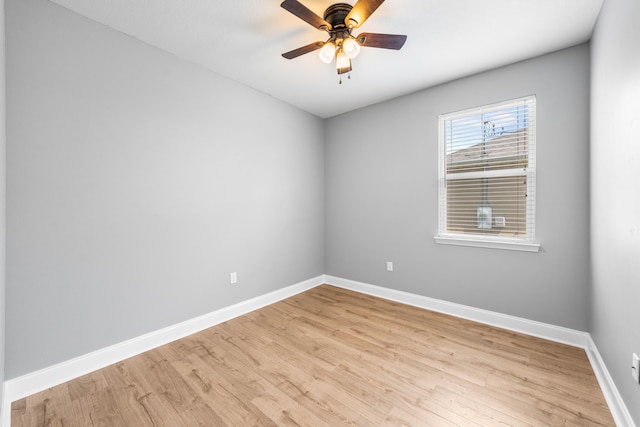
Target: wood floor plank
<point>333,357</point>
<point>219,394</point>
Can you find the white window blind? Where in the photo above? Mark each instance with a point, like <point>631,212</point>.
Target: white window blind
<point>487,172</point>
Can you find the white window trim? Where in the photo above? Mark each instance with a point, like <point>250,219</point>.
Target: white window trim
<point>490,242</point>
<point>495,243</point>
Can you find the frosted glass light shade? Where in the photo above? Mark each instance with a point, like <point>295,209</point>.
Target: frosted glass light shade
<point>342,60</point>
<point>327,52</point>
<point>351,47</point>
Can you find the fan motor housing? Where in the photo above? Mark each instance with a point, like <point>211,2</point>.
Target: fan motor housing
<point>336,14</point>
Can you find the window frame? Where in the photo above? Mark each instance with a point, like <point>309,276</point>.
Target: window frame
<point>444,236</point>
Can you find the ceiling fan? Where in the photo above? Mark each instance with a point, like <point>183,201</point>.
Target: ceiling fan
<point>339,20</point>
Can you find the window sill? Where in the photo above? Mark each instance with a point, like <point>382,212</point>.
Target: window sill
<point>491,244</point>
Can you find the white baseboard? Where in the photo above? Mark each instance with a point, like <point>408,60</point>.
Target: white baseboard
<point>505,321</point>
<point>5,408</point>
<point>618,409</point>
<point>26,385</point>
<point>18,388</point>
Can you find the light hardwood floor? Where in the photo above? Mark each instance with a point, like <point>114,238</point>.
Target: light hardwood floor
<point>332,357</point>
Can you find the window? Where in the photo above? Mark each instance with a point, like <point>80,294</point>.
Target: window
<point>488,176</point>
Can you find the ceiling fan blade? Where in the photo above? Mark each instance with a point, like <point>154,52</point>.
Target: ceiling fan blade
<point>307,15</point>
<point>385,41</point>
<point>302,50</point>
<point>361,12</point>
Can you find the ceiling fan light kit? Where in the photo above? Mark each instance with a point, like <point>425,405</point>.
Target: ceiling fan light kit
<point>338,21</point>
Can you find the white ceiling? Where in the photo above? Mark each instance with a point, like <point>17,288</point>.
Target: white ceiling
<point>447,39</point>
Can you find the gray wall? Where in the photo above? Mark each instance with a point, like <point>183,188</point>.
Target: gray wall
<point>136,183</point>
<point>382,196</point>
<point>2,198</point>
<point>615,198</point>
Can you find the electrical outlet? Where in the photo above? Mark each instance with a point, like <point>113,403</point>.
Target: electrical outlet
<point>389,266</point>
<point>233,278</point>
<point>635,367</point>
